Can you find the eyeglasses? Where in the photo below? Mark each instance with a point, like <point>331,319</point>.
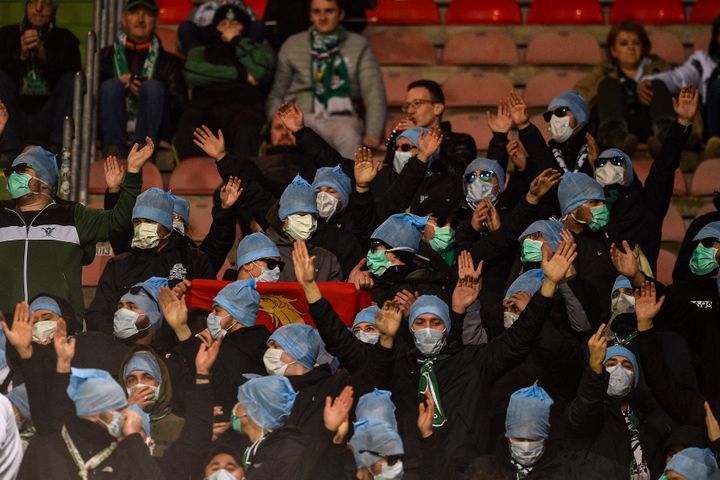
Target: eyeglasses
<point>617,161</point>
<point>558,112</point>
<point>406,147</point>
<point>415,104</point>
<point>485,176</point>
<point>374,244</point>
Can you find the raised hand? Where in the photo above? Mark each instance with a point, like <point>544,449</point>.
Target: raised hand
<point>230,192</point>
<point>428,143</point>
<point>597,345</point>
<point>485,213</point>
<point>404,124</point>
<point>388,322</point>
<point>138,156</point>
<point>210,144</point>
<point>336,415</point>
<point>304,264</point>
<point>593,149</point>
<point>644,91</point>
<point>646,306</point>
<point>711,423</point>
<point>64,347</point>
<point>365,169</point>
<point>518,110</point>
<point>291,116</point>
<point>502,121</point>
<point>517,153</point>
<point>181,288</point>
<point>142,397</point>
<point>175,312</point>
<point>425,415</point>
<point>685,105</point>
<point>624,261</point>
<point>114,173</point>
<point>542,184</point>
<point>206,356</point>
<point>4,116</point>
<point>20,336</point>
<point>219,427</point>
<point>556,265</point>
<point>520,300</point>
<point>361,278</point>
<point>132,423</point>
<point>404,299</point>
<point>468,285</point>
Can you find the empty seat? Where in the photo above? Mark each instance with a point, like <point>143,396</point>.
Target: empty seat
<point>705,179</point>
<point>257,6</point>
<point>96,181</point>
<point>565,12</point>
<point>660,12</point>
<point>665,265</point>
<point>667,45</point>
<point>168,38</point>
<point>475,125</point>
<point>402,47</point>
<point>563,48</point>
<point>545,86</point>
<point>704,12</point>
<point>91,273</point>
<point>173,12</point>
<point>200,217</point>
<point>405,12</point>
<point>642,170</point>
<point>673,228</point>
<point>483,12</point>
<point>195,176</point>
<point>475,89</point>
<point>702,41</point>
<point>480,48</point>
<point>396,86</point>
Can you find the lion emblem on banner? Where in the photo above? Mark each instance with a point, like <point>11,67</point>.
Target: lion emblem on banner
<point>280,309</point>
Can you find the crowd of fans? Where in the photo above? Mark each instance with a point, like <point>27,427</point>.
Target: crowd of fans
<point>515,330</point>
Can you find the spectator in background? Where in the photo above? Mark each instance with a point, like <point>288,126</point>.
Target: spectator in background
<point>627,110</point>
<point>198,29</point>
<point>340,74</point>
<point>141,85</point>
<point>37,64</point>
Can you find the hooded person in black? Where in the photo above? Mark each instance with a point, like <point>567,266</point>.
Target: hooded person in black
<point>681,271</point>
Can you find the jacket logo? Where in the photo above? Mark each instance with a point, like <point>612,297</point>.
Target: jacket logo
<point>48,231</point>
<point>177,272</point>
<point>702,303</point>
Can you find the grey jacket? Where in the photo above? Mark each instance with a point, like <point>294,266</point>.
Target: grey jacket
<point>293,83</point>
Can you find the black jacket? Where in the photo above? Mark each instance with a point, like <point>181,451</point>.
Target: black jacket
<point>541,153</point>
<point>593,265</point>
<point>681,272</point>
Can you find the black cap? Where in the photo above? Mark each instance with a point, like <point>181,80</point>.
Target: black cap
<point>149,4</point>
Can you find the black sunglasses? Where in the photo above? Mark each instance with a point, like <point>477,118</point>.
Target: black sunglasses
<point>708,242</point>
<point>406,147</point>
<point>390,459</point>
<point>485,176</point>
<point>558,112</point>
<point>617,161</point>
<point>272,263</point>
<point>19,168</point>
<point>374,244</point>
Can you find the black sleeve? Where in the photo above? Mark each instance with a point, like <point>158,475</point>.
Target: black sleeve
<point>497,149</point>
<point>587,295</point>
<point>320,152</point>
<point>401,191</point>
<point>363,215</point>
<point>436,464</point>
<point>38,382</point>
<point>144,466</point>
<point>539,154</point>
<point>62,407</point>
<point>106,61</point>
<point>63,54</point>
<point>120,242</point>
<point>377,371</point>
<point>339,342</point>
<point>517,187</point>
<point>172,77</point>
<point>10,53</point>
<point>99,317</point>
<point>585,413</point>
<point>220,238</point>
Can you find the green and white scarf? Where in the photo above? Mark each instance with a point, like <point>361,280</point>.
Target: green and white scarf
<point>84,468</point>
<point>329,73</point>
<point>428,380</point>
<point>120,67</point>
<point>638,466</point>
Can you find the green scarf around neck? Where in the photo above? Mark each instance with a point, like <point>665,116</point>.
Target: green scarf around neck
<point>121,67</point>
<point>329,73</point>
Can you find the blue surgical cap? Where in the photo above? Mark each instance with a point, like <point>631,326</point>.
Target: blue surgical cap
<point>94,391</point>
<point>268,401</point>
<point>43,162</point>
<point>575,102</point>
<point>694,464</point>
<point>529,282</point>
<point>430,304</point>
<point>255,246</point>
<point>621,282</point>
<point>485,164</point>
<point>241,300</point>
<point>3,347</point>
<point>298,197</point>
<point>146,298</point>
<point>550,230</point>
<point>617,350</point>
<point>576,189</point>
<point>402,231</point>
<point>528,414</point>
<point>181,207</point>
<point>616,152</point>
<point>143,362</point>
<point>154,204</point>
<point>144,417</point>
<point>45,303</point>
<point>18,396</point>
<point>373,435</point>
<point>335,178</point>
<point>413,134</point>
<point>301,342</point>
<point>366,315</point>
<point>711,230</point>
<point>377,404</point>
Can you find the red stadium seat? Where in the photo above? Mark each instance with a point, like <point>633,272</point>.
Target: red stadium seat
<point>565,12</point>
<point>705,179</point>
<point>200,217</point>
<point>402,47</point>
<point>405,12</point>
<point>174,12</point>
<point>195,176</point>
<point>707,208</point>
<point>545,86</point>
<point>257,6</point>
<point>393,118</point>
<point>96,182</point>
<point>480,48</point>
<point>642,169</point>
<point>91,273</point>
<point>667,45</point>
<point>704,12</point>
<point>396,86</point>
<point>475,125</point>
<point>673,228</point>
<point>702,41</point>
<point>483,12</point>
<point>168,39</point>
<point>665,265</point>
<point>563,48</point>
<point>659,12</point>
<point>475,89</point>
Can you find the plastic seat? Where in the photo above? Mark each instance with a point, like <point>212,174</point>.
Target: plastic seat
<point>396,86</point>
<point>704,12</point>
<point>565,12</point>
<point>173,12</point>
<point>659,12</point>
<point>480,48</point>
<point>200,217</point>
<point>168,38</point>
<point>405,12</point>
<point>705,179</point>
<point>563,48</point>
<point>702,41</point>
<point>402,47</point>
<point>475,125</point>
<point>475,89</point>
<point>673,228</point>
<point>642,169</point>
<point>665,265</point>
<point>91,273</point>
<point>667,45</point>
<point>483,12</point>
<point>195,176</point>
<point>96,182</point>
<point>257,6</point>
<point>545,86</point>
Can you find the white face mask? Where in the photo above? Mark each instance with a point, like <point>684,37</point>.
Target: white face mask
<point>390,472</point>
<point>300,227</point>
<point>478,190</point>
<point>623,303</point>
<point>610,174</point>
<point>267,275</point>
<point>560,129</point>
<point>400,160</point>
<point>125,323</point>
<point>327,204</point>
<point>509,318</point>
<point>221,474</point>
<point>146,236</point>
<point>621,381</point>
<point>114,427</point>
<point>155,390</point>
<point>43,331</point>
<point>367,337</point>
<point>527,454</point>
<point>429,340</point>
<point>273,363</point>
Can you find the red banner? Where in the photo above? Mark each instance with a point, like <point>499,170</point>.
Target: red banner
<point>282,303</point>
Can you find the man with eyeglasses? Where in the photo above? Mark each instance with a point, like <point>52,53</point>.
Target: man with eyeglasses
<point>37,64</point>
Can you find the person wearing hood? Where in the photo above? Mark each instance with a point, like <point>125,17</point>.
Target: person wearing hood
<point>681,271</point>
<point>692,463</point>
<point>224,462</point>
<point>11,453</point>
<point>156,252</point>
<point>699,71</point>
<point>138,318</point>
<point>37,67</point>
<point>198,29</point>
<point>50,231</point>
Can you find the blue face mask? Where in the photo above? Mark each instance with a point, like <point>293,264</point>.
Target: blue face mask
<point>214,325</point>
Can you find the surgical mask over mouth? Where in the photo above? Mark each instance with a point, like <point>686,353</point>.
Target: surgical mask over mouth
<point>429,340</point>
<point>610,174</point>
<point>43,331</point>
<point>114,426</point>
<point>560,128</point>
<point>367,337</point>
<point>621,381</point>
<point>509,318</point>
<point>478,190</point>
<point>390,472</point>
<point>214,325</point>
<point>300,227</point>
<point>443,239</point>
<point>703,260</point>
<point>327,204</point>
<point>273,363</point>
<point>531,251</point>
<point>377,262</point>
<point>155,390</point>
<point>146,236</point>
<point>400,160</point>
<point>600,216</point>
<point>267,275</point>
<point>125,323</point>
<point>527,453</point>
<point>18,185</point>
<point>623,303</point>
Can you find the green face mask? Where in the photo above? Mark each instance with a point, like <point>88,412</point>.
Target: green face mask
<point>703,260</point>
<point>531,251</point>
<point>600,218</point>
<point>444,239</point>
<point>377,262</point>
<point>18,184</point>
<point>235,423</point>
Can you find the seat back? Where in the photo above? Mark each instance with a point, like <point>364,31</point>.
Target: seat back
<point>475,89</point>
<point>667,45</point>
<point>705,179</point>
<point>565,12</point>
<point>402,47</point>
<point>195,176</point>
<point>659,12</point>
<point>475,125</point>
<point>483,12</point>
<point>545,86</point>
<point>396,84</point>
<point>480,48</point>
<point>405,12</point>
<point>563,48</point>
